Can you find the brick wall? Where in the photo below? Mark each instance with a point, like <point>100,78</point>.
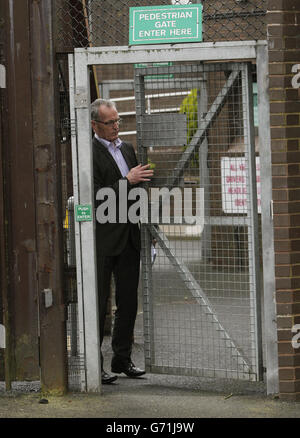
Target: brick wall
<point>283,20</point>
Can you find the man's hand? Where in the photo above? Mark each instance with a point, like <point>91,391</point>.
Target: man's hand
<point>139,174</point>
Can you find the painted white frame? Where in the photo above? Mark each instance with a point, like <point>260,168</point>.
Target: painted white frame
<point>83,177</point>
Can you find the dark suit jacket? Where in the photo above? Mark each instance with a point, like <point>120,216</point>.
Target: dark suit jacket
<point>111,238</point>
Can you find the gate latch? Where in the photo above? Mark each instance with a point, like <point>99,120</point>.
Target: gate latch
<point>48,298</point>
<point>2,336</point>
<point>2,76</point>
<point>271,210</point>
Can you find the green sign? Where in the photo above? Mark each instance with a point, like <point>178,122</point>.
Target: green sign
<point>156,64</point>
<point>165,24</point>
<point>83,213</point>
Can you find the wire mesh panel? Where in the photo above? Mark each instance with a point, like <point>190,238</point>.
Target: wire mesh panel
<point>84,23</point>
<point>75,353</point>
<point>201,312</point>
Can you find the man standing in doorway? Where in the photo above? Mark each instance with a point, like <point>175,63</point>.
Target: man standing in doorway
<point>117,243</point>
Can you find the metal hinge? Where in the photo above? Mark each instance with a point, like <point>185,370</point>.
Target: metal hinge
<point>2,336</point>
<point>48,295</point>
<point>271,209</point>
<point>73,127</point>
<point>2,76</point>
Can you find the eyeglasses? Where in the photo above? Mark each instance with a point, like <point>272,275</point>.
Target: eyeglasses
<point>110,122</point>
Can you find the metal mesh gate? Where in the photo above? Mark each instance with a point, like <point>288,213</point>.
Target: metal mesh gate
<point>204,281</point>
<point>201,312</point>
<point>194,122</point>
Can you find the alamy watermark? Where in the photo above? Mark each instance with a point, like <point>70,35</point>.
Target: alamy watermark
<point>151,205</point>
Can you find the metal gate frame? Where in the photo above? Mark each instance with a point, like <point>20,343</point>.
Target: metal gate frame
<point>251,369</point>
<point>83,182</point>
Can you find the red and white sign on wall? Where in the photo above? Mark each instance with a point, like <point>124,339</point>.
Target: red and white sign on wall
<point>235,188</point>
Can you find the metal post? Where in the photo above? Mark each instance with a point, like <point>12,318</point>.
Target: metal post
<point>145,234</point>
<point>204,172</point>
<point>253,246</point>
<point>270,325</point>
<point>81,345</point>
<point>85,246</point>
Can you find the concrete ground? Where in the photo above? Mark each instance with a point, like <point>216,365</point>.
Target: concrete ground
<point>153,397</point>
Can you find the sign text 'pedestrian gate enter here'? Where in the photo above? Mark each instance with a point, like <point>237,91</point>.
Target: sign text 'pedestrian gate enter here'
<point>165,24</point>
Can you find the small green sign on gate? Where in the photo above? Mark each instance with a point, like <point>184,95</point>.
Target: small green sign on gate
<point>83,213</point>
<point>165,24</point>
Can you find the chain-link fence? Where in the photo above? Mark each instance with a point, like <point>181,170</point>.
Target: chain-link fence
<point>84,23</point>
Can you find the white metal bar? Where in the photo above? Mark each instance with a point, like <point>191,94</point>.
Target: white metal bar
<point>202,101</point>
<point>127,113</point>
<point>176,93</point>
<point>270,324</point>
<point>252,232</point>
<point>149,351</point>
<point>2,336</point>
<point>123,99</point>
<point>200,372</point>
<point>152,96</point>
<point>87,229</point>
<point>81,346</point>
<point>2,76</point>
<point>217,51</point>
<point>161,110</point>
<point>127,133</point>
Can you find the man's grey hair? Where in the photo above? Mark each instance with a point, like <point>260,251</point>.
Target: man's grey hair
<point>96,105</point>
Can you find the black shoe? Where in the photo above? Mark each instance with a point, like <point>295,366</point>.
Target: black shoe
<point>106,378</point>
<point>127,368</point>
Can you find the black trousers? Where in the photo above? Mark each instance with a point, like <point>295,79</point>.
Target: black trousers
<point>125,267</point>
